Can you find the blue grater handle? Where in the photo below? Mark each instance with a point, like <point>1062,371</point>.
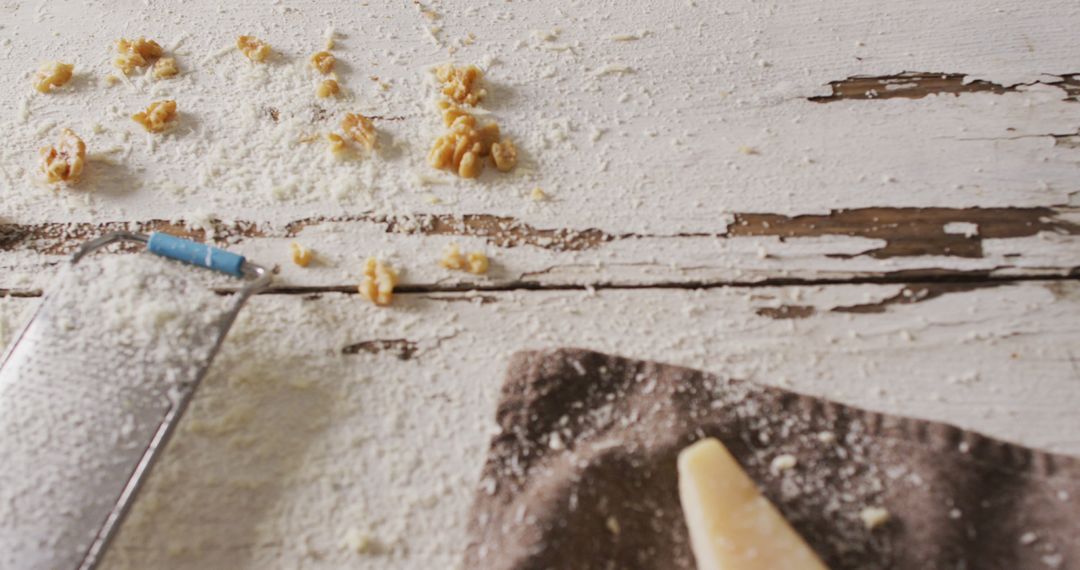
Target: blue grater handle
<point>196,253</point>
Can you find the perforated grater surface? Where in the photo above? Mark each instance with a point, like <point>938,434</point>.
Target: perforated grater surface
<point>92,388</point>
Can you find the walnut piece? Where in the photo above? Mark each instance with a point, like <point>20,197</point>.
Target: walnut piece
<point>464,147</point>
<point>378,283</point>
<point>135,53</point>
<point>327,88</point>
<point>52,75</point>
<point>158,117</point>
<point>478,263</point>
<point>165,68</point>
<point>475,262</point>
<point>337,144</point>
<point>301,255</point>
<point>253,48</point>
<point>452,258</point>
<point>360,129</point>
<point>64,161</point>
<point>323,62</point>
<point>504,155</point>
<point>461,84</point>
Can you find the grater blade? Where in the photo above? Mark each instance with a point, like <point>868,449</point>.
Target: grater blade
<point>89,394</point>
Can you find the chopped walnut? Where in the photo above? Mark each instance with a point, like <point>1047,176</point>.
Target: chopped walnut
<point>378,283</point>
<point>253,48</point>
<point>475,262</point>
<point>135,53</point>
<point>463,148</point>
<point>360,129</point>
<point>52,75</point>
<point>301,255</point>
<point>452,258</point>
<point>323,62</point>
<point>327,88</point>
<point>64,161</point>
<point>337,144</point>
<point>165,68</point>
<point>504,155</point>
<point>461,84</point>
<point>478,263</point>
<point>158,117</point>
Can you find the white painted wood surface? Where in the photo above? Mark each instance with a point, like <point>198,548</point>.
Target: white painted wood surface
<point>290,443</point>
<point>698,165</point>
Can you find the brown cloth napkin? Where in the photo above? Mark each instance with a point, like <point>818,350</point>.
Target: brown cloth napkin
<point>582,475</point>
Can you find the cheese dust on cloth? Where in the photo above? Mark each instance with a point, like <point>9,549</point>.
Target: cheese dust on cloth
<point>582,474</point>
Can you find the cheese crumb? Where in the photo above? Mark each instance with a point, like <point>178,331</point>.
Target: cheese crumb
<point>327,88</point>
<point>158,117</point>
<point>874,517</point>
<point>360,129</point>
<point>357,541</point>
<point>379,281</point>
<point>165,68</point>
<point>783,463</point>
<point>323,62</point>
<point>253,48</point>
<point>612,525</point>
<point>52,75</point>
<point>301,255</point>
<point>64,161</point>
<point>538,195</point>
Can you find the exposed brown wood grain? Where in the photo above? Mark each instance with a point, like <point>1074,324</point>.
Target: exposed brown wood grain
<point>917,84</point>
<point>915,293</point>
<point>906,232</point>
<point>786,312</point>
<point>909,231</point>
<point>398,347</point>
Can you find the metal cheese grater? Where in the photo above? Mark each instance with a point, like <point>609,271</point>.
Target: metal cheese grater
<point>92,388</point>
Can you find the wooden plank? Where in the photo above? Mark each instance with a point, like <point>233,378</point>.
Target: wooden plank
<point>325,414</point>
<point>873,243</point>
<point>897,113</point>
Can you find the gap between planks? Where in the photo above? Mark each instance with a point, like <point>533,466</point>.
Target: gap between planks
<point>975,278</point>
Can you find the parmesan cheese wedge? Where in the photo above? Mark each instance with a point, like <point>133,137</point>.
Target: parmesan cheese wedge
<point>732,526</point>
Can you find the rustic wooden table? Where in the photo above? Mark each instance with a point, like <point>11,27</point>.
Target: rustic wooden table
<point>872,201</point>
